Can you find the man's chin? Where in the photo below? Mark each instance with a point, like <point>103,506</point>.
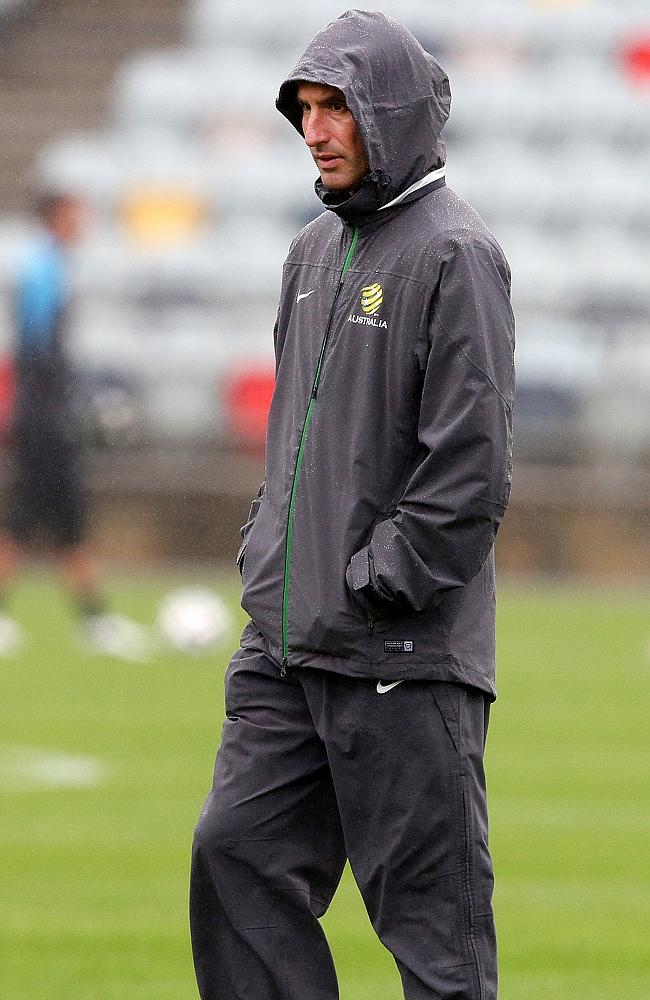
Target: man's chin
<point>340,185</point>
<point>334,185</point>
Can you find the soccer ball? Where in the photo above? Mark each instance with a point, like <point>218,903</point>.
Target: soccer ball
<point>193,619</point>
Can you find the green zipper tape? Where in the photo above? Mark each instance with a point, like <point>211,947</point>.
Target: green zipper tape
<point>299,457</point>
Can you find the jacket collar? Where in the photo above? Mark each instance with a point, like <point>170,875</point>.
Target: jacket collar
<point>361,209</point>
<point>434,175</point>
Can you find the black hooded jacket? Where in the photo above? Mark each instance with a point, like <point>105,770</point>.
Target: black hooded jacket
<point>369,550</point>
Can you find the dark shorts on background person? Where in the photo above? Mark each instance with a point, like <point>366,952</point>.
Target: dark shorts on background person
<point>47,497</point>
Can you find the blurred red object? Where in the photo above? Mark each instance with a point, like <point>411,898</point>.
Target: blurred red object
<point>7,395</point>
<point>247,402</point>
<point>636,59</point>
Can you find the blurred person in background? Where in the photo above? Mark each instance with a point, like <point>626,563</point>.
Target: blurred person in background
<point>47,496</point>
<point>357,705</point>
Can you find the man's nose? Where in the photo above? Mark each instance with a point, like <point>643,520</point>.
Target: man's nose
<point>316,129</point>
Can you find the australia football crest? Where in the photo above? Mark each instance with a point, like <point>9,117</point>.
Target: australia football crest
<point>371,298</point>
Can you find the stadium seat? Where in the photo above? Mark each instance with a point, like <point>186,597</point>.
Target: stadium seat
<point>247,394</point>
<point>7,385</point>
<point>193,90</point>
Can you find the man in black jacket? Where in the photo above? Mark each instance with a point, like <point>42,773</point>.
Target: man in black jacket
<point>357,705</point>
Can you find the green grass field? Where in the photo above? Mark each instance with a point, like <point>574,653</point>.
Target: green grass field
<point>93,875</point>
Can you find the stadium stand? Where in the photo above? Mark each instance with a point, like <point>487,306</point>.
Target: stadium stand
<point>197,186</point>
<point>11,6</point>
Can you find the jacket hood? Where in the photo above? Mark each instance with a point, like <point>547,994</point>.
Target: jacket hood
<point>399,97</point>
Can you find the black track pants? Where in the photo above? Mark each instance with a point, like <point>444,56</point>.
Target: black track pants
<point>317,767</point>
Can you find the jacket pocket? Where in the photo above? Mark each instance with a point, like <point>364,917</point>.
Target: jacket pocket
<point>263,571</point>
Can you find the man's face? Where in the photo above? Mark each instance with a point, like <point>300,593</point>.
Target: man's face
<point>67,219</point>
<point>332,136</point>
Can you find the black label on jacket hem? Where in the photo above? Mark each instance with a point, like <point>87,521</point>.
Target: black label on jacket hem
<point>398,646</point>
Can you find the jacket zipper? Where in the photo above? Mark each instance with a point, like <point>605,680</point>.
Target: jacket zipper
<point>299,459</point>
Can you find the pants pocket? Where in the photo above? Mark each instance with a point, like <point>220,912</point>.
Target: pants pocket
<point>449,700</point>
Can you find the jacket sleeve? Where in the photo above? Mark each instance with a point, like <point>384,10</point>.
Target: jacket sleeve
<point>444,525</point>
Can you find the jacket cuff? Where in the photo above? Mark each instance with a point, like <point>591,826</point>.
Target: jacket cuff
<point>359,580</point>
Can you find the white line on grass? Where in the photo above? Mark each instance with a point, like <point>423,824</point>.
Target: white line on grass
<point>30,769</point>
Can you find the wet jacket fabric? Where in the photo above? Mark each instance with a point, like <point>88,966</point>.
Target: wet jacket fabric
<point>369,550</point>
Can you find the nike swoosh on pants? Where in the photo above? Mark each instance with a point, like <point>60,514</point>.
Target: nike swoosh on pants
<point>384,688</point>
